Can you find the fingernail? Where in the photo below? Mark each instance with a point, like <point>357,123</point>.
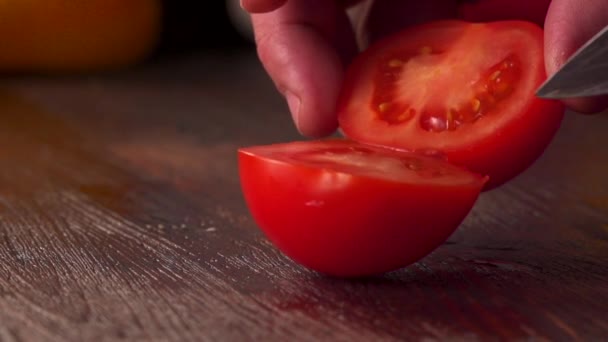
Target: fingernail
<point>294,103</point>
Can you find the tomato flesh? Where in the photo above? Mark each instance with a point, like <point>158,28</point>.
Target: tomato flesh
<point>482,97</point>
<point>347,209</point>
<point>464,89</point>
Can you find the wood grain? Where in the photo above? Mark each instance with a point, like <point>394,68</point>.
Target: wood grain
<point>121,218</point>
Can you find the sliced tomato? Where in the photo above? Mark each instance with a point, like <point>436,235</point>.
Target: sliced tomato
<point>465,89</point>
<point>493,10</point>
<point>347,209</point>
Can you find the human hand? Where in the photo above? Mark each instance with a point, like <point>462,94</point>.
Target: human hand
<point>568,25</point>
<point>305,45</point>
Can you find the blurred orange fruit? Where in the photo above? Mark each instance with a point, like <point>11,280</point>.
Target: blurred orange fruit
<point>76,35</point>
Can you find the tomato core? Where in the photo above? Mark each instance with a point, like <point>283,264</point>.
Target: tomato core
<point>397,104</point>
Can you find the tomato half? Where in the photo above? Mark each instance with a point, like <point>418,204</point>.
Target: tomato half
<point>465,89</point>
<point>347,209</point>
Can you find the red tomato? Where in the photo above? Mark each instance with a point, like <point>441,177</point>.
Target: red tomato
<point>346,209</point>
<point>493,10</point>
<point>464,89</point>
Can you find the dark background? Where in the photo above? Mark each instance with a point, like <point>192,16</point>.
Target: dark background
<point>198,25</point>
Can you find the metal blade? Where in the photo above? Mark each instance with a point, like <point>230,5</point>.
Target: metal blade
<point>584,74</point>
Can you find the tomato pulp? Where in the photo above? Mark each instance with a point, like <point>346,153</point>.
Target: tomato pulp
<point>465,89</point>
<point>346,209</point>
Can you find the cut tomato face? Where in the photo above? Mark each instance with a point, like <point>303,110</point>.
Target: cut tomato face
<point>347,209</point>
<point>464,89</point>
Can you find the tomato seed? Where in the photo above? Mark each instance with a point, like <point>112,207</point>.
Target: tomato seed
<point>475,105</point>
<point>395,63</point>
<point>450,118</point>
<point>426,50</point>
<point>384,106</point>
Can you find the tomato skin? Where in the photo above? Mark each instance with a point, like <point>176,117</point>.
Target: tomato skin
<point>349,225</point>
<point>493,10</point>
<point>500,145</point>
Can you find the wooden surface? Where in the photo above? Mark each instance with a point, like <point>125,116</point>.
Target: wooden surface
<point>121,218</point>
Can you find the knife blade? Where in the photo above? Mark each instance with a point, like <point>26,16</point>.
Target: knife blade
<point>585,73</point>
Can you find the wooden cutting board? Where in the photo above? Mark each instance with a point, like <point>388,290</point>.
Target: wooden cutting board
<point>121,218</point>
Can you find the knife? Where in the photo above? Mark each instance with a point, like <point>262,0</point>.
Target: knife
<point>585,73</point>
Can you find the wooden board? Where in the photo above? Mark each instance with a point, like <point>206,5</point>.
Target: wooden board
<point>121,218</point>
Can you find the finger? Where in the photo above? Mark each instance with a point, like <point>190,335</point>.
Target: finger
<point>261,6</point>
<point>569,24</point>
<point>304,46</point>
